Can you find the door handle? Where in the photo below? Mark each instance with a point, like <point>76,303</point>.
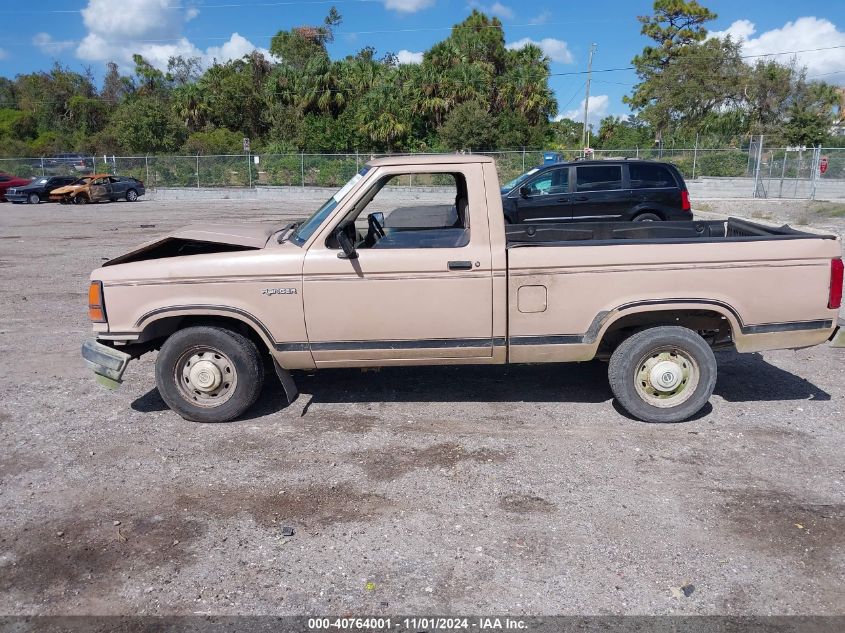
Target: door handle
<point>582,198</point>
<point>564,199</point>
<point>460,265</point>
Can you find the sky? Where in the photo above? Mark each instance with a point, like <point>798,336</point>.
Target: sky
<point>88,33</point>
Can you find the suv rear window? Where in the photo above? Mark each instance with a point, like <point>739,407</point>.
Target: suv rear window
<point>645,176</point>
<point>599,177</point>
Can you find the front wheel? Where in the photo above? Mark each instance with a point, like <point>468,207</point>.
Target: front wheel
<point>33,198</point>
<point>209,374</point>
<point>663,374</point>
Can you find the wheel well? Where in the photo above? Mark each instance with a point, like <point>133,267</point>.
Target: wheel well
<point>713,326</point>
<point>660,215</point>
<point>160,329</point>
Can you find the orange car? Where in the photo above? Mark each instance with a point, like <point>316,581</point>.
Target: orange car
<point>97,188</point>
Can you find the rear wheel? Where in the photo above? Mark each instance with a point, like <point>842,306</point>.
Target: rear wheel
<point>209,374</point>
<point>33,198</point>
<point>663,374</point>
<point>131,195</point>
<point>647,217</point>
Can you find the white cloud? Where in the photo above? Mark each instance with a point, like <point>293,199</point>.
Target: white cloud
<point>47,45</point>
<point>3,53</point>
<point>409,57</point>
<point>151,28</point>
<point>556,50</point>
<point>408,6</point>
<point>804,33</point>
<point>497,9</point>
<point>599,106</point>
<point>738,30</point>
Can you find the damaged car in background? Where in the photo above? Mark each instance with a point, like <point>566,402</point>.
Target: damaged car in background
<point>99,188</point>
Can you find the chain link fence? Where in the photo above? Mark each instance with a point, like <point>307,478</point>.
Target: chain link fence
<point>772,172</point>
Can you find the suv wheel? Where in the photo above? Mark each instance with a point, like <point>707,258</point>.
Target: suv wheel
<point>663,374</point>
<point>131,195</point>
<point>209,374</point>
<point>647,217</point>
<point>33,198</point>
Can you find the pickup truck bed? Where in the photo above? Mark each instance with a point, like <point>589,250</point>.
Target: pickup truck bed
<point>732,230</point>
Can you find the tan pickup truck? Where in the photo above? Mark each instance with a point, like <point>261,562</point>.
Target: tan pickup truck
<point>440,279</point>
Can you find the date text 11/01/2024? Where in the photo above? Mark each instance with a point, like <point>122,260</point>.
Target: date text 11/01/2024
<point>418,624</point>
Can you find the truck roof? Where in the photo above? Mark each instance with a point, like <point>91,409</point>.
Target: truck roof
<point>427,159</point>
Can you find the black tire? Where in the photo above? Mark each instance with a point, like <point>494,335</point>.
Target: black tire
<point>647,217</point>
<point>131,195</point>
<point>634,361</point>
<point>80,199</point>
<point>33,198</point>
<point>239,354</point>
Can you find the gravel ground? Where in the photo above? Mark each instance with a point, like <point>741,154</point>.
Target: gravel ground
<point>519,490</point>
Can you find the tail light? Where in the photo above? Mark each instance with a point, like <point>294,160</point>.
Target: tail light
<point>685,205</point>
<point>96,305</point>
<point>835,298</point>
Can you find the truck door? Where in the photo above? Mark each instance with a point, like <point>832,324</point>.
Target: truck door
<point>421,286</point>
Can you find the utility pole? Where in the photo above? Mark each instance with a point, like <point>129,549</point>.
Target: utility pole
<point>584,137</point>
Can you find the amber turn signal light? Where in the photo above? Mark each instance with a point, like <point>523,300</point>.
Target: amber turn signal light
<point>96,307</point>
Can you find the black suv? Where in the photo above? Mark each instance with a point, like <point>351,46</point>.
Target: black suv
<point>595,190</point>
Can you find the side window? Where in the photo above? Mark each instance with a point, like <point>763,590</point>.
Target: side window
<point>645,176</point>
<point>552,182</point>
<point>389,217</point>
<point>599,177</point>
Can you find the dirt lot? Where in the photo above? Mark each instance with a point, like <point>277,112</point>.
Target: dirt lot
<point>463,490</point>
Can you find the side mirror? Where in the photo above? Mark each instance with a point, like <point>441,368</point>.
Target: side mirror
<point>347,247</point>
<point>524,191</point>
<point>378,216</point>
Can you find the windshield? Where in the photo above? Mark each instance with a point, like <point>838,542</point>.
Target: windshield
<point>42,181</point>
<point>516,181</point>
<point>81,181</point>
<point>307,228</point>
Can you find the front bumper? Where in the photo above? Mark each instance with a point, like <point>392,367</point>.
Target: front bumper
<point>108,363</point>
<point>17,197</point>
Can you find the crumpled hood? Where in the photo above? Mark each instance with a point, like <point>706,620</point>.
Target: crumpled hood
<point>68,189</point>
<point>183,241</point>
<point>254,236</point>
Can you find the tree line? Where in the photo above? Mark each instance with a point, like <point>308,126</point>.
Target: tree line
<point>469,92</point>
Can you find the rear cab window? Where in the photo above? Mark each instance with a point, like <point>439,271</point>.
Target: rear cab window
<point>598,177</point>
<point>645,176</point>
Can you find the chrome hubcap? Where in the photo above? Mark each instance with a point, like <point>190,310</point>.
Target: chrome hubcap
<point>206,377</point>
<point>666,377</point>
